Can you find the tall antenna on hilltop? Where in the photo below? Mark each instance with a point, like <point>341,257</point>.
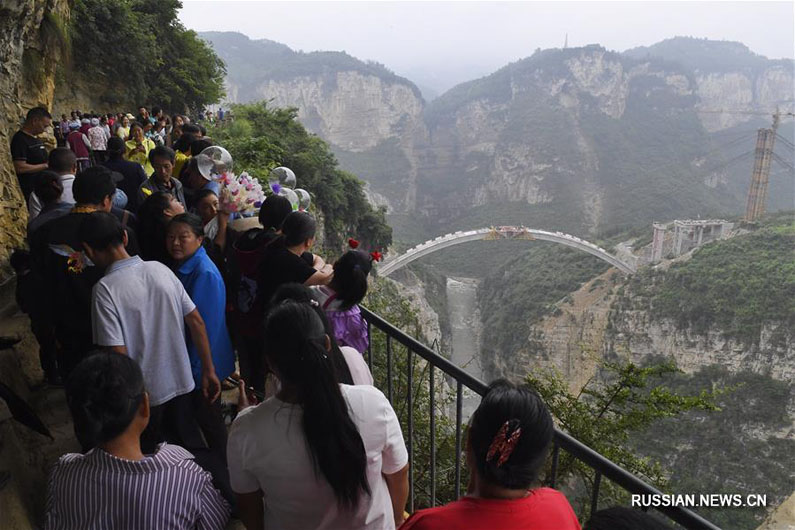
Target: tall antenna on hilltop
<point>566,41</point>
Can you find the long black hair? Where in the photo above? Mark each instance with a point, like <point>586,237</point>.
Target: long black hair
<point>295,345</point>
<point>519,407</point>
<point>152,227</point>
<point>301,293</point>
<point>104,392</point>
<point>350,277</point>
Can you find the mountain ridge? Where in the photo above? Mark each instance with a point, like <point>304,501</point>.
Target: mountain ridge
<point>583,139</point>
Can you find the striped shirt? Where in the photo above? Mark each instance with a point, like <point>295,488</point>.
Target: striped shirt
<point>165,491</point>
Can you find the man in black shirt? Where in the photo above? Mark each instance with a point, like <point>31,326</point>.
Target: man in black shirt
<point>29,152</point>
<point>68,275</point>
<point>132,172</point>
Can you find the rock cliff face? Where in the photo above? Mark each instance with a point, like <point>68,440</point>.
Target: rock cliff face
<point>743,92</point>
<point>351,110</point>
<point>728,77</point>
<point>533,133</point>
<point>28,57</point>
<point>640,335</point>
<point>571,340</point>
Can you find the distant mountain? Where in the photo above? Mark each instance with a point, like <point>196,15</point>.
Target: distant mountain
<point>582,139</point>
<point>252,62</point>
<point>704,55</point>
<point>728,77</point>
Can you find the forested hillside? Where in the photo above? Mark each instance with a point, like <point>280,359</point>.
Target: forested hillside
<point>724,317</point>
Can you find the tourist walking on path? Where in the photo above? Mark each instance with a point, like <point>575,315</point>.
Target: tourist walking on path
<point>318,454</point>
<point>79,144</point>
<point>205,286</point>
<point>63,162</point>
<point>507,443</point>
<point>28,151</point>
<point>58,258</point>
<point>132,173</point>
<point>138,147</point>
<point>116,484</point>
<point>162,162</point>
<point>248,304</point>
<point>98,141</point>
<point>141,309</point>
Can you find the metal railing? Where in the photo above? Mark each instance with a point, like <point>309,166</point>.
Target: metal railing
<point>602,467</point>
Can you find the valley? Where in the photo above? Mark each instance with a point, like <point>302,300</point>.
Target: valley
<point>600,145</point>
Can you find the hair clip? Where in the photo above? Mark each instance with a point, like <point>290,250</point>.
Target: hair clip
<point>353,243</point>
<point>376,256</point>
<point>503,444</point>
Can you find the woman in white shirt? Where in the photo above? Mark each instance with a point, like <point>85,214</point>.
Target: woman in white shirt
<point>318,455</point>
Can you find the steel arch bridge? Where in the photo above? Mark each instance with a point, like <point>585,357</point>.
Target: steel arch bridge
<point>500,233</point>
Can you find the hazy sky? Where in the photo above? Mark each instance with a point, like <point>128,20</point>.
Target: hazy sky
<point>443,43</point>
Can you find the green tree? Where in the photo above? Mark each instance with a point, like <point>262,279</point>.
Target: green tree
<point>623,399</point>
<point>136,52</point>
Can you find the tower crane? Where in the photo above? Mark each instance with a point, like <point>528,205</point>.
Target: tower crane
<point>765,141</point>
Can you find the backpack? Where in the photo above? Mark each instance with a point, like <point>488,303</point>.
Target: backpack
<point>248,251</point>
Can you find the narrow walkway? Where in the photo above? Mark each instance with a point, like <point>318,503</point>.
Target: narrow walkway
<point>24,454</point>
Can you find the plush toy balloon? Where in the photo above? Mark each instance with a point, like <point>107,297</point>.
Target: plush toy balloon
<point>291,196</point>
<point>284,176</point>
<point>214,161</point>
<point>304,199</point>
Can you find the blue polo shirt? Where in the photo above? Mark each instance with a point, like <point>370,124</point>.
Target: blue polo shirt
<point>206,288</point>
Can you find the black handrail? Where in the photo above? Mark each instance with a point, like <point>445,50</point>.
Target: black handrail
<point>602,466</point>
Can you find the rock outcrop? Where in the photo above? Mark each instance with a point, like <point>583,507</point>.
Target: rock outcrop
<point>29,41</point>
<point>351,110</point>
<point>743,94</point>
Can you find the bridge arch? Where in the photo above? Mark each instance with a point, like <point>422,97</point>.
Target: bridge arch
<point>499,233</point>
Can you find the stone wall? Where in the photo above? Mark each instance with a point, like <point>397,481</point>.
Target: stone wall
<point>29,56</point>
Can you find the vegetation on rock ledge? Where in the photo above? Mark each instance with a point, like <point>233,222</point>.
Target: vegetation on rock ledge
<point>261,138</point>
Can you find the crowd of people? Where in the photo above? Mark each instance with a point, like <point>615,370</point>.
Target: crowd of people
<point>145,302</point>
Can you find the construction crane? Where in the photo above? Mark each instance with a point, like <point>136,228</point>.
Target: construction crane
<point>760,177</point>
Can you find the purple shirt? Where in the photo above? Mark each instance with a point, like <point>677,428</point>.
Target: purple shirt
<point>166,491</point>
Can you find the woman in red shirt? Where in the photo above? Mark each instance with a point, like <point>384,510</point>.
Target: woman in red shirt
<point>509,436</point>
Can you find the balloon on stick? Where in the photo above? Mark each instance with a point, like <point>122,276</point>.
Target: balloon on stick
<point>291,196</point>
<point>284,176</point>
<point>214,161</point>
<point>304,199</point>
